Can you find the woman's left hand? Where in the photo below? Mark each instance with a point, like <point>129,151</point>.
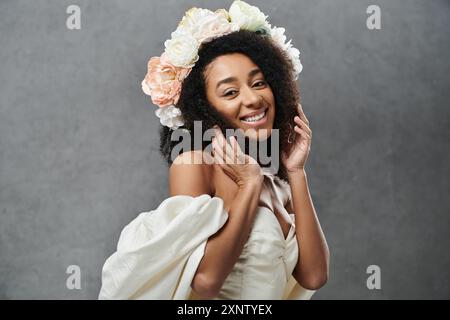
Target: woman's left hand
<point>294,160</point>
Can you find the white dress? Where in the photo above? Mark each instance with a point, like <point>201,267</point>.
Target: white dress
<point>265,265</point>
<point>158,252</point>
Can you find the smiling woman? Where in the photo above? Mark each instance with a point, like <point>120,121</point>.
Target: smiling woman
<point>238,75</point>
<point>243,80</point>
<point>231,228</point>
<point>256,107</point>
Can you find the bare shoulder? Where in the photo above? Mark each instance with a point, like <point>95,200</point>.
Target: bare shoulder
<point>190,174</point>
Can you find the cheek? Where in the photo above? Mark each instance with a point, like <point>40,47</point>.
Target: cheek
<point>228,110</point>
<point>270,97</point>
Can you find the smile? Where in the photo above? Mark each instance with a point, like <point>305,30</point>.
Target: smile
<point>256,120</point>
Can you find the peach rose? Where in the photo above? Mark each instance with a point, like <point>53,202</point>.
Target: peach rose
<point>163,81</point>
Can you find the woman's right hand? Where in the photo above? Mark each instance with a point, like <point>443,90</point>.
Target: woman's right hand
<point>240,167</point>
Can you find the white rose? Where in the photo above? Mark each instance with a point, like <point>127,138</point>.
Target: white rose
<point>294,55</point>
<point>248,17</point>
<point>182,49</point>
<point>191,18</point>
<point>223,13</point>
<point>205,25</point>
<point>277,34</point>
<point>170,117</point>
<point>214,26</point>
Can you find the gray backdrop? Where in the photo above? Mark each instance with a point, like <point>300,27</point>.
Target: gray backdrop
<point>79,140</point>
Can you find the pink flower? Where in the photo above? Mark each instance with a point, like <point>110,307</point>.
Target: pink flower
<point>205,25</point>
<point>163,81</point>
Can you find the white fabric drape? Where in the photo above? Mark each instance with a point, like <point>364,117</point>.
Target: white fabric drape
<point>159,251</point>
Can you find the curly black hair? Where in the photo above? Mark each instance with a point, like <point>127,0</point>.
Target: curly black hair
<point>277,69</point>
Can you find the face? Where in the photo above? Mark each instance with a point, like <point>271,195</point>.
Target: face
<point>236,87</point>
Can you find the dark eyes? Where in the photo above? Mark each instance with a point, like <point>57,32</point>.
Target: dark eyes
<point>230,93</point>
<point>258,84</point>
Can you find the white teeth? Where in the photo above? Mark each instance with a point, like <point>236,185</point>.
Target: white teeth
<point>254,118</point>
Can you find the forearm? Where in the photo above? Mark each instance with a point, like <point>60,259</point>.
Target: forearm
<point>224,248</point>
<point>312,267</point>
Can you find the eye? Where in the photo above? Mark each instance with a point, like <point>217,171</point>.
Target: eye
<point>228,93</point>
<point>258,84</point>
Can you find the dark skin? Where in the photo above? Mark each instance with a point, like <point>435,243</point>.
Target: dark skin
<point>236,178</point>
<point>227,97</point>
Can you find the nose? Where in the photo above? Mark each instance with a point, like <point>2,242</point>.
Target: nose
<point>250,98</point>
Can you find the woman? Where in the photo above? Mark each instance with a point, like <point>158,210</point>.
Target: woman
<point>241,79</point>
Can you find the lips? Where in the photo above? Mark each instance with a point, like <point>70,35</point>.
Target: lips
<point>254,116</point>
<point>257,120</point>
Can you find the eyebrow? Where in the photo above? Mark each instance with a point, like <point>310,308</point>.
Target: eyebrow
<point>231,79</point>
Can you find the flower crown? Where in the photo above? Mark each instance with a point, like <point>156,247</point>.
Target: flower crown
<point>166,73</point>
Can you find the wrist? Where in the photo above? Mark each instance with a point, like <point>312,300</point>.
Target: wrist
<point>296,173</point>
<point>251,182</point>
